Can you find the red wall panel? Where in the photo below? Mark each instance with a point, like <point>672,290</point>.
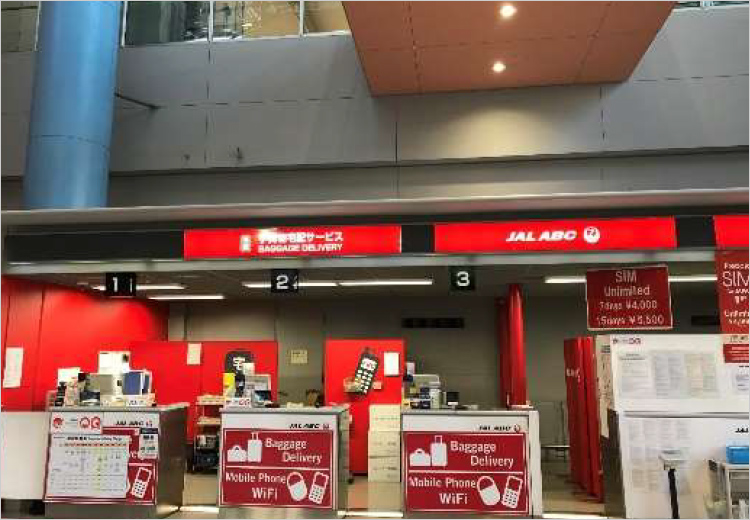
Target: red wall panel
<point>63,327</point>
<point>341,358</point>
<point>177,382</point>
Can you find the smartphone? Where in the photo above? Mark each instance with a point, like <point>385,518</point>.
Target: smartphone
<point>512,492</point>
<point>366,370</point>
<point>318,488</point>
<point>140,485</point>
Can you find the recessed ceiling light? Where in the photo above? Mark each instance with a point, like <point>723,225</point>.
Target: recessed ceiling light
<point>498,67</point>
<point>507,11</point>
<point>186,297</point>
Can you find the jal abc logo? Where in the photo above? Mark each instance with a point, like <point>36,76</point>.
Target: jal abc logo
<point>592,234</point>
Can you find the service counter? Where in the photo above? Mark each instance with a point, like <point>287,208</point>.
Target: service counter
<point>115,462</point>
<point>469,463</point>
<point>283,462</point>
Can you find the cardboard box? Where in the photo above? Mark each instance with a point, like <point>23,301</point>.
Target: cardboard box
<point>385,424</point>
<point>383,443</point>
<point>385,411</point>
<point>384,469</point>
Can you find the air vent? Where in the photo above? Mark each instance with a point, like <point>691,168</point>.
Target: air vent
<point>432,323</point>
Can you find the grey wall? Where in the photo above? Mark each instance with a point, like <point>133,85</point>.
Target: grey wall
<point>466,358</point>
<point>294,103</point>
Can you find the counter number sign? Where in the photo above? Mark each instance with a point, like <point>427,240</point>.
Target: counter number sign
<point>463,279</point>
<point>120,284</point>
<point>284,281</point>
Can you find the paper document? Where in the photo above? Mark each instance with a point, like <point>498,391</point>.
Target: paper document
<point>194,353</point>
<point>13,367</point>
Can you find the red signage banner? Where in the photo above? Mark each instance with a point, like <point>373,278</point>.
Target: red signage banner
<point>731,231</point>
<point>321,241</point>
<point>732,285</point>
<point>636,298</point>
<point>466,472</point>
<point>277,468</point>
<point>556,235</point>
<point>736,353</point>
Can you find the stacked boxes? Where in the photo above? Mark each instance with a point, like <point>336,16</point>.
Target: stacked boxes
<point>384,443</point>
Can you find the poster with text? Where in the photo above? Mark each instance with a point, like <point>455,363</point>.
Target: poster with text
<point>636,298</point>
<point>732,286</point>
<point>102,458</point>
<point>277,468</point>
<point>466,472</point>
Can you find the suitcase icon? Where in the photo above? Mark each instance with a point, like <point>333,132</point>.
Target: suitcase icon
<point>254,448</point>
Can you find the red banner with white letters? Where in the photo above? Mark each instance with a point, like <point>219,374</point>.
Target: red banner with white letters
<point>320,241</point>
<point>556,235</point>
<point>634,298</point>
<point>277,468</point>
<point>732,285</point>
<point>466,472</point>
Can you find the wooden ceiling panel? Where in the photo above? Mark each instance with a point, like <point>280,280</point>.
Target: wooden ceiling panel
<point>452,45</point>
<point>452,23</point>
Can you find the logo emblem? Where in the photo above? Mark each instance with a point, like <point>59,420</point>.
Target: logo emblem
<point>57,422</point>
<point>591,234</point>
<point>246,243</point>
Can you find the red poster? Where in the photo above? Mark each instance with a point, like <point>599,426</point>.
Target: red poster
<point>732,285</point>
<point>323,241</point>
<point>556,235</point>
<point>277,468</point>
<point>636,298</point>
<point>731,231</point>
<point>736,353</point>
<point>466,472</point>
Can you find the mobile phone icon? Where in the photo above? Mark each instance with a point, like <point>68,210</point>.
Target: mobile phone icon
<point>140,485</point>
<point>318,488</point>
<point>512,492</point>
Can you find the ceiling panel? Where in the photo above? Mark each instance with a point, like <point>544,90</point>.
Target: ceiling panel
<point>420,47</point>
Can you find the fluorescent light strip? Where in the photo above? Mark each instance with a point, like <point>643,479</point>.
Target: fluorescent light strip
<point>346,283</point>
<point>374,514</point>
<point>186,297</point>
<point>148,286</point>
<point>377,283</point>
<point>200,509</point>
<point>674,278</point>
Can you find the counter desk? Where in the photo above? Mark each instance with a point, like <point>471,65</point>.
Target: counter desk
<point>115,462</point>
<point>468,463</point>
<point>283,462</point>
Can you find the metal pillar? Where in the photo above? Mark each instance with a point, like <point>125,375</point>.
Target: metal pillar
<point>67,158</point>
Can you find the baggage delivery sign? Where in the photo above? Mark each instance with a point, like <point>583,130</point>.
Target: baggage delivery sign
<point>469,472</point>
<point>277,468</point>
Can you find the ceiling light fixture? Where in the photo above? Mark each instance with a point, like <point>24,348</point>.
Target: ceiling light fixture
<point>306,283</point>
<point>150,287</point>
<point>498,67</point>
<point>186,297</point>
<point>674,278</point>
<point>508,10</point>
<point>375,283</point>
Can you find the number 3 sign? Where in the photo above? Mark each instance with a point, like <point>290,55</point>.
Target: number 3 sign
<point>463,279</point>
<point>284,280</point>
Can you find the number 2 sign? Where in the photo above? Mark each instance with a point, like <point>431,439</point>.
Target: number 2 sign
<point>284,280</point>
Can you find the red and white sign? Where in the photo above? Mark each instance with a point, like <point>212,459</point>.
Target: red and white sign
<point>736,352</point>
<point>556,235</point>
<point>634,298</point>
<point>731,231</point>
<point>277,468</point>
<point>466,472</point>
<point>102,458</point>
<point>732,285</point>
<point>323,241</point>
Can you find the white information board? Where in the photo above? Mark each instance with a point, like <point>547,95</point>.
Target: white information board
<point>645,483</point>
<point>667,372</point>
